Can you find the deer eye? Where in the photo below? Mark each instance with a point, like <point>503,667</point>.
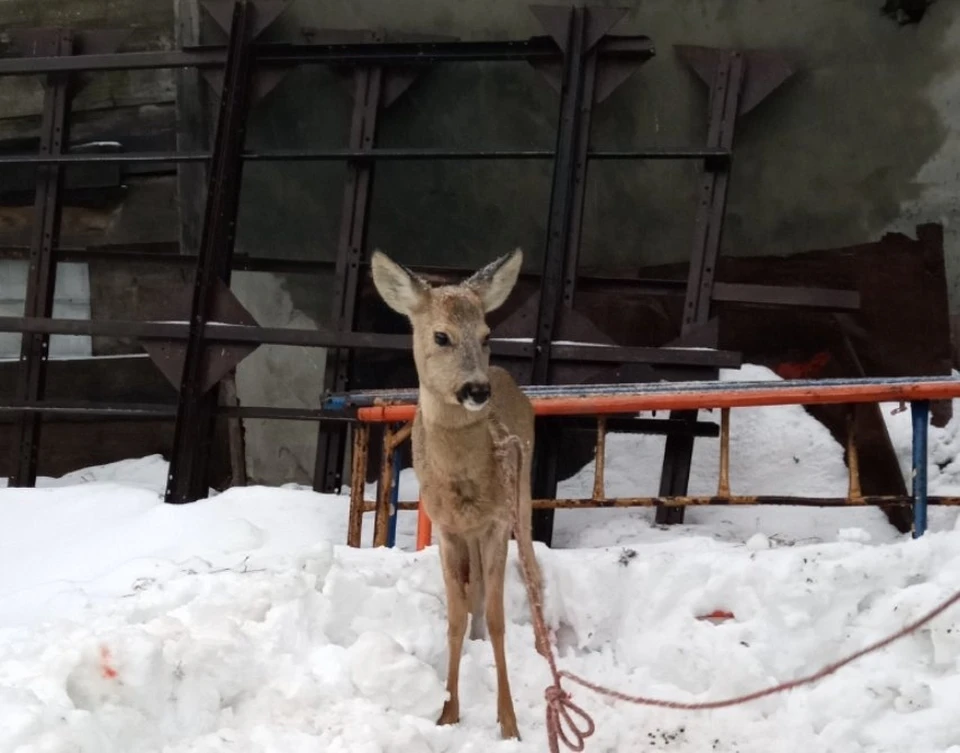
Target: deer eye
<point>441,338</point>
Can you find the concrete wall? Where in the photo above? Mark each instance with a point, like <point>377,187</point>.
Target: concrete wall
<point>865,138</point>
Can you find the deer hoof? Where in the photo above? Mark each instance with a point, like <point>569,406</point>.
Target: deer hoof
<point>449,715</point>
<point>510,731</point>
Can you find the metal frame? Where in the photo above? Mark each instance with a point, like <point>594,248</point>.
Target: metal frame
<point>578,44</point>
<point>599,404</point>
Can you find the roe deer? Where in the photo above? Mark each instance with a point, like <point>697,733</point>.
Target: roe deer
<point>453,452</point>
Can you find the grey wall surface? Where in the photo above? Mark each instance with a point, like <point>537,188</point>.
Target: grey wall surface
<point>864,139</point>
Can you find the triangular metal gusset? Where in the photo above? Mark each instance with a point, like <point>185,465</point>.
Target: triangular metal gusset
<point>765,70</point>
<point>598,21</point>
<point>222,358</point>
<point>265,13</point>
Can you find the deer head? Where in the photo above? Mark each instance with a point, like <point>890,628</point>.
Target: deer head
<point>450,334</point>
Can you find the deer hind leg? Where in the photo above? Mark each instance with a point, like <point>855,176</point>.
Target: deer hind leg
<point>475,592</point>
<point>494,557</point>
<point>455,561</point>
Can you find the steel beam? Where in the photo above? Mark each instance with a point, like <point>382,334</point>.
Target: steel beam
<point>193,435</point>
<point>367,98</point>
<point>42,272</point>
<point>396,53</point>
<point>726,84</point>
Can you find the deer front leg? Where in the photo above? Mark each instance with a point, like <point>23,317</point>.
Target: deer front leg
<point>455,561</point>
<point>494,557</point>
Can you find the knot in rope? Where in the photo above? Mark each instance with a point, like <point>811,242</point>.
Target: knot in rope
<point>561,724</point>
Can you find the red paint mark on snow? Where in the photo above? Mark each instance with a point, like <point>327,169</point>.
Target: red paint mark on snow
<point>105,669</point>
<point>717,616</point>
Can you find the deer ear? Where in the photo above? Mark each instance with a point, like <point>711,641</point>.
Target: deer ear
<point>401,289</point>
<point>494,282</point>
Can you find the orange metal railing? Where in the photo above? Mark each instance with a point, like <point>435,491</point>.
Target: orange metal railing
<point>717,395</point>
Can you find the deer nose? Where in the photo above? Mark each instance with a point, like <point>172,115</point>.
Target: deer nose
<point>475,393</point>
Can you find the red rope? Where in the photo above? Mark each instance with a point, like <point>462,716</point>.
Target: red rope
<point>563,713</point>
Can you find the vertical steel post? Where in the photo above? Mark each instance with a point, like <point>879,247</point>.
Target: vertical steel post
<point>193,434</point>
<point>920,413</point>
<point>559,226</point>
<point>367,97</point>
<point>42,272</point>
<point>724,107</point>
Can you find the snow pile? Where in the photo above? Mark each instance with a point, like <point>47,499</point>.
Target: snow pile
<point>338,649</point>
<point>239,623</point>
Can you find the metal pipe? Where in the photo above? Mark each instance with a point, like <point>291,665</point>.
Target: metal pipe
<point>920,413</point>
<point>854,490</point>
<point>383,397</point>
<point>424,527</point>
<point>358,471</point>
<point>692,501</point>
<point>600,463</point>
<point>697,395</point>
<point>394,501</point>
<point>723,485</point>
<point>384,494</point>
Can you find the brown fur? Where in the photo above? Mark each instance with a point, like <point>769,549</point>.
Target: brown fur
<point>460,484</point>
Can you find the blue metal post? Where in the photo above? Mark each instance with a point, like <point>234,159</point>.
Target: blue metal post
<point>394,501</point>
<point>920,411</point>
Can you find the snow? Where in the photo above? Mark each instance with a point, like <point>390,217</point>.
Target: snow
<point>241,623</point>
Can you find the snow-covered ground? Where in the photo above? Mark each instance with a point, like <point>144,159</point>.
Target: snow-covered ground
<point>240,623</point>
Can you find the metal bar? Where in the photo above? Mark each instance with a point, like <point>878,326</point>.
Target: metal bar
<point>354,154</point>
<point>766,295</point>
<point>193,435</point>
<point>424,527</point>
<point>694,396</point>
<point>657,426</point>
<point>723,485</point>
<point>579,178</point>
<point>161,410</point>
<point>600,459</point>
<point>236,333</point>
<point>920,413</point>
<point>557,250</point>
<point>702,394</point>
<point>692,501</point>
<point>561,193</point>
<point>368,85</point>
<point>785,295</point>
<point>394,502</point>
<point>724,104</point>
<point>382,519</point>
<point>81,409</point>
<point>361,442</point>
<point>42,272</point>
<point>854,490</point>
<point>406,53</point>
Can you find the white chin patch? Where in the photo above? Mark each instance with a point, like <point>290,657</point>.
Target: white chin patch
<point>471,405</point>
